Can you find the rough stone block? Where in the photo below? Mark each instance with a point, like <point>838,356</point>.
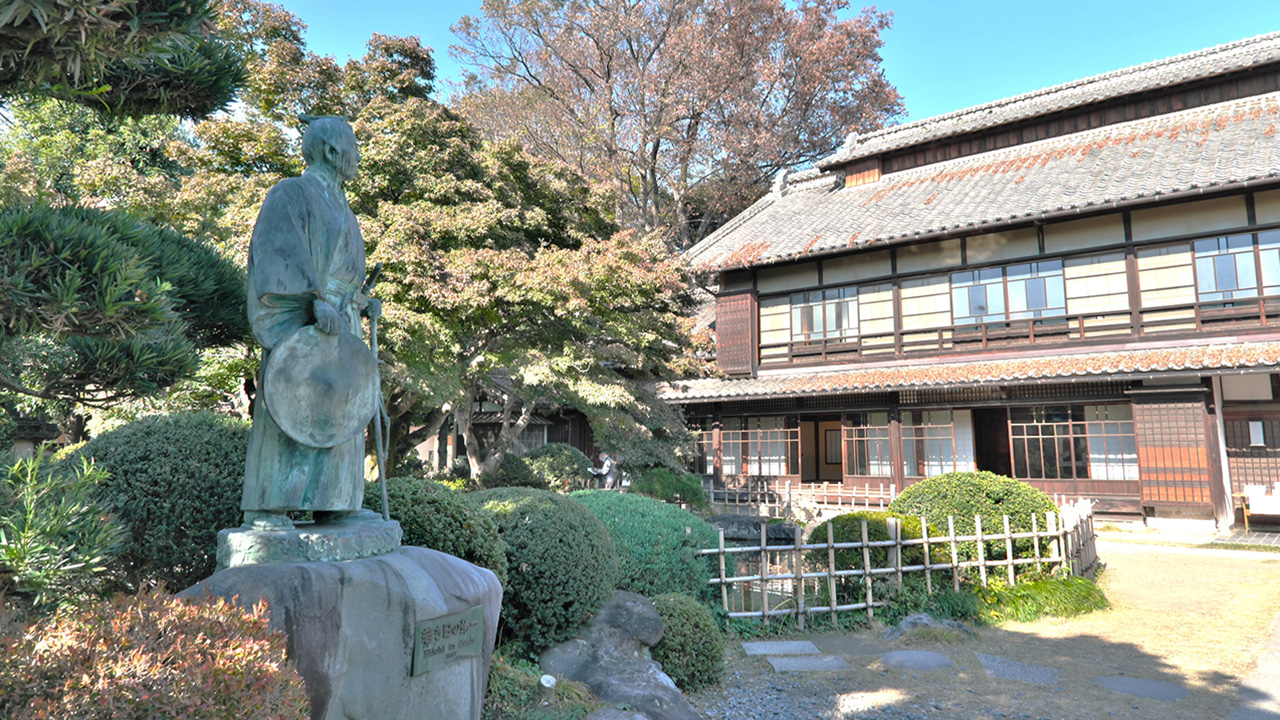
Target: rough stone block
<point>807,663</point>
<point>351,628</point>
<point>781,647</point>
<point>364,535</point>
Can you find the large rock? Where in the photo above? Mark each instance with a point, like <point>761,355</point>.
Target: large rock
<point>351,628</point>
<point>611,655</point>
<point>920,621</point>
<point>747,527</point>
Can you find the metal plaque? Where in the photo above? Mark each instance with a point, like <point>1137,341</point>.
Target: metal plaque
<point>440,641</point>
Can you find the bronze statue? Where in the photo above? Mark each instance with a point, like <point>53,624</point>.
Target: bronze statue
<point>318,383</point>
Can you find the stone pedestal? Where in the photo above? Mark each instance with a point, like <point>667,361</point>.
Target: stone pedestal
<point>363,534</point>
<point>352,627</point>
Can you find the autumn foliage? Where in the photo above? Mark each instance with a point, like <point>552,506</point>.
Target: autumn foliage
<point>151,656</point>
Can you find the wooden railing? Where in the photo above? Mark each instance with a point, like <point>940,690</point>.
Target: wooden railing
<point>790,499</point>
<point>790,582</point>
<point>1189,318</point>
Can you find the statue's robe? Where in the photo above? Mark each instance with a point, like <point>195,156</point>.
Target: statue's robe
<point>306,246</point>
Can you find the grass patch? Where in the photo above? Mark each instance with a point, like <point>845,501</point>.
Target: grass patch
<point>513,694</point>
<point>1048,596</point>
<point>1242,546</point>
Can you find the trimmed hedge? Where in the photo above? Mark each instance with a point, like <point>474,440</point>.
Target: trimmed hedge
<point>151,656</point>
<point>562,563</point>
<point>691,651</point>
<point>964,495</point>
<point>669,486</point>
<point>847,528</point>
<point>561,467</point>
<point>174,482</point>
<point>657,543</point>
<point>433,516</point>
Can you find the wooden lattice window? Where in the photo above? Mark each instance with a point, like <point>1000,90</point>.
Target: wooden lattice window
<point>1173,456</point>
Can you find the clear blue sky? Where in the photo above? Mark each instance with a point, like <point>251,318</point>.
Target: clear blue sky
<point>942,55</point>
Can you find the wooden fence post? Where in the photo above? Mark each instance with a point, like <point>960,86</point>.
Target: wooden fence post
<point>799,589</point>
<point>1035,539</point>
<point>764,573</point>
<point>955,558</point>
<point>831,574</point>
<point>1008,548</point>
<point>1055,550</point>
<point>982,549</point>
<point>895,531</point>
<point>928,562</point>
<point>724,587</point>
<point>866,571</point>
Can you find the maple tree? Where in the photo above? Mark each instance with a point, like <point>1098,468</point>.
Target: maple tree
<point>683,107</point>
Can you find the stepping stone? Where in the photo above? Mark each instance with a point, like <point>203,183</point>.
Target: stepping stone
<point>915,660</point>
<point>1006,669</point>
<point>781,647</point>
<point>1142,687</point>
<point>808,663</point>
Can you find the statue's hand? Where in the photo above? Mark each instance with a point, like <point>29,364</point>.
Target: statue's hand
<point>373,310</point>
<point>327,320</point>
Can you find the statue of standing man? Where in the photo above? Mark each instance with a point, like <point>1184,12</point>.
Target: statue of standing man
<point>318,379</point>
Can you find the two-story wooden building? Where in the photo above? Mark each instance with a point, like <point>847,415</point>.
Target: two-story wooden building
<point>1078,287</point>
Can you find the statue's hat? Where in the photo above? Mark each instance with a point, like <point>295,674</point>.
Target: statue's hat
<point>321,389</point>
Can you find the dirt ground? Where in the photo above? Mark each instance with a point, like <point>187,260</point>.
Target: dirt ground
<point>1195,619</point>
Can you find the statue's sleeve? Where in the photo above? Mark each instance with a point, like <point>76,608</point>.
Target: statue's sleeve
<point>283,280</point>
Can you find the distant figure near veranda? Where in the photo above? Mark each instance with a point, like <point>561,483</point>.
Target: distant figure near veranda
<point>306,268</point>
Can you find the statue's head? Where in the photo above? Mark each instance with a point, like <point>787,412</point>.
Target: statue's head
<point>330,141</point>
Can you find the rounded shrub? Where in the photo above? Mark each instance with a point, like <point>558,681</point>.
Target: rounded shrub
<point>966,495</point>
<point>691,651</point>
<point>513,471</point>
<point>562,566</point>
<point>560,466</point>
<point>173,482</point>
<point>433,516</point>
<point>151,656</point>
<point>657,543</point>
<point>673,487</point>
<point>847,528</point>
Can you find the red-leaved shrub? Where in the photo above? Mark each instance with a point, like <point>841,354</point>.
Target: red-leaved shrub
<point>151,656</point>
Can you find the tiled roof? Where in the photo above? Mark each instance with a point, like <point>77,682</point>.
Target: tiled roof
<point>1189,151</point>
<point>900,376</point>
<point>1198,65</point>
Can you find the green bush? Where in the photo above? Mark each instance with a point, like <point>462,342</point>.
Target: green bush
<point>657,543</point>
<point>513,471</point>
<point>914,597</point>
<point>691,651</point>
<point>174,482</point>
<point>668,486</point>
<point>562,563</point>
<point>433,516</point>
<point>561,467</point>
<point>847,528</point>
<point>55,539</point>
<point>964,495</point>
<point>1034,598</point>
<point>151,656</point>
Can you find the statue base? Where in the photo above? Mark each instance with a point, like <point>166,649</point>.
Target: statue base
<point>401,636</point>
<point>361,535</point>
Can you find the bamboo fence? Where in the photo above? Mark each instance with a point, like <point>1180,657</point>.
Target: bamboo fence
<point>1061,541</point>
